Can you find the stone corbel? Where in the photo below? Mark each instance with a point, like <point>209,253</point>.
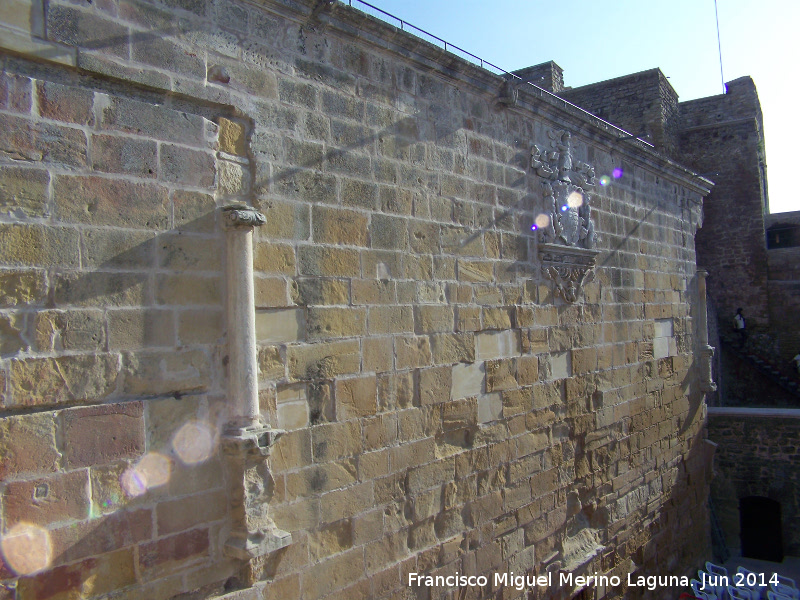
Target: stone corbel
<point>247,440</point>
<point>570,268</point>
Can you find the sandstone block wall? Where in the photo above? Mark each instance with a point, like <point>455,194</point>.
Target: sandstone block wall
<point>784,290</point>
<point>645,104</point>
<point>445,411</point>
<point>756,456</point>
<point>723,137</point>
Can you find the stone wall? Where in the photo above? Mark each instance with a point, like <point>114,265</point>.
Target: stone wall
<point>645,104</point>
<point>784,290</point>
<point>722,137</point>
<point>757,455</point>
<point>445,409</point>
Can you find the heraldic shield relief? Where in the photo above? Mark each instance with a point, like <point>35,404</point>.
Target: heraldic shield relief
<point>567,241</point>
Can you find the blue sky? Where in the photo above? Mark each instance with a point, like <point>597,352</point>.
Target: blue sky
<point>594,40</point>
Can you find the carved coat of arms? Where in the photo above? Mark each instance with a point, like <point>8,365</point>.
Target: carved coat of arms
<point>567,239</point>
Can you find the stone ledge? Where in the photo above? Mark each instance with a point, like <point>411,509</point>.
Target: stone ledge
<point>22,43</point>
<point>740,411</point>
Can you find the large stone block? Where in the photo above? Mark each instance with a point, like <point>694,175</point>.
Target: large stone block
<point>186,513</point>
<point>70,330</point>
<point>140,328</point>
<point>101,575</point>
<point>468,380</point>
<point>117,154</point>
<point>39,246</point>
<point>165,372</point>
<point>99,435</point>
<point>497,344</point>
<point>159,51</point>
<point>189,289</point>
<point>323,360</point>
<point>101,289</point>
<point>28,445</point>
<point>47,500</point>
<point>163,556</point>
<point>328,262</point>
<point>101,201</point>
<point>275,258</point>
<point>412,352</point>
<point>20,288</point>
<point>356,398</point>
<point>390,319</point>
<point>62,379</point>
<point>152,121</point>
<point>185,166</point>
<point>117,249</point>
<point>331,322</point>
<point>24,191</point>
<point>75,27</point>
<point>378,354</point>
<point>339,226</point>
<point>35,141</point>
<point>334,441</point>
<point>435,385</point>
<point>280,326</point>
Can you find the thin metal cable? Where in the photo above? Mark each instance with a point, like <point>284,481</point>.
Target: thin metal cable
<point>719,47</point>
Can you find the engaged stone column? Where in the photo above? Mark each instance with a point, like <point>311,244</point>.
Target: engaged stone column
<point>706,352</point>
<point>239,222</point>
<point>247,441</point>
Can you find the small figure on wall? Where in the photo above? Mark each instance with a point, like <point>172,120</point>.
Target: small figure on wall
<point>740,326</point>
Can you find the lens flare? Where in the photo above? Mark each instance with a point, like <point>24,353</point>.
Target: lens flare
<point>616,173</point>
<point>605,180</point>
<point>151,471</point>
<point>27,549</point>
<point>542,220</point>
<point>564,208</point>
<point>193,442</point>
<point>133,482</point>
<point>575,200</point>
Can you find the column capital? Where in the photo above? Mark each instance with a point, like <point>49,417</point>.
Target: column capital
<point>241,216</point>
<point>702,273</point>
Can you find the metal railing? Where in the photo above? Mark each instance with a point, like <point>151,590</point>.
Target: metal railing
<point>448,47</point>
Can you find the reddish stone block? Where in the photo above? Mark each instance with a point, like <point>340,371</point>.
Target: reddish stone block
<point>28,445</point>
<point>63,103</point>
<point>101,434</point>
<point>43,501</point>
<point>164,555</point>
<point>101,535</point>
<point>15,93</point>
<point>89,578</point>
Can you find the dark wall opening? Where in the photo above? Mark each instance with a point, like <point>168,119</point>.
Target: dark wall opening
<point>760,523</point>
<point>783,236</point>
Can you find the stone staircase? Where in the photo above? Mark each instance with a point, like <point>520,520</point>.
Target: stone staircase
<point>755,355</point>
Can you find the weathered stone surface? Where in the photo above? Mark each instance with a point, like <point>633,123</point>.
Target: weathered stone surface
<point>18,288</point>
<point>324,360</point>
<point>356,398</point>
<point>116,154</point>
<point>35,245</point>
<point>100,201</point>
<point>28,445</point>
<point>24,191</point>
<point>443,408</point>
<point>42,501</point>
<point>50,381</point>
<point>102,434</point>
<point>165,372</point>
<point>70,330</point>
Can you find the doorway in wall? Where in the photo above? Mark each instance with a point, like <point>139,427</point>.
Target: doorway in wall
<point>760,524</point>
